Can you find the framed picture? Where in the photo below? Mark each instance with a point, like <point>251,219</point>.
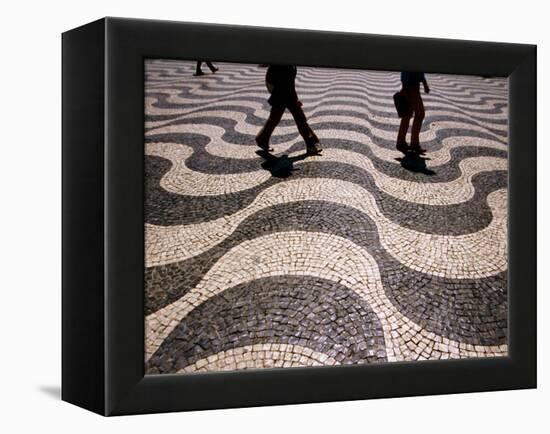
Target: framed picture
<point>257,216</point>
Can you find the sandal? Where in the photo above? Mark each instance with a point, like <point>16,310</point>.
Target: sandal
<point>263,145</point>
<point>313,149</point>
<point>402,147</point>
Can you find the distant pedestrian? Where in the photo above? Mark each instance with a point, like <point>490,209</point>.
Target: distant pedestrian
<point>280,82</point>
<point>199,70</point>
<point>411,90</point>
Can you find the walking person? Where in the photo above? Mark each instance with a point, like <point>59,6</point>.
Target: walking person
<point>280,81</point>
<point>411,90</point>
<point>198,71</point>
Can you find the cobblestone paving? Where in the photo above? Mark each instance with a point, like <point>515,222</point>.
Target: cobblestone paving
<point>357,255</point>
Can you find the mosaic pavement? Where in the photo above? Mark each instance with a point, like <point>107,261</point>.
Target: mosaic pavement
<point>358,255</point>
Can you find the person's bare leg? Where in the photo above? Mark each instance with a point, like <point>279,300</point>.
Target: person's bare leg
<point>310,138</point>
<point>211,66</point>
<point>419,113</point>
<point>401,143</point>
<point>403,128</point>
<point>198,70</point>
<point>262,138</point>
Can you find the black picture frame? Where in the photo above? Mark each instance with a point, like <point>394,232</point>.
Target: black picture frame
<point>103,223</point>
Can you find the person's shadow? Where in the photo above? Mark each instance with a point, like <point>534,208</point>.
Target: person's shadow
<point>280,167</point>
<point>413,162</point>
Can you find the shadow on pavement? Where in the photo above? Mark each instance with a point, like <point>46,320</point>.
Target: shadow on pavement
<point>280,167</point>
<point>413,162</point>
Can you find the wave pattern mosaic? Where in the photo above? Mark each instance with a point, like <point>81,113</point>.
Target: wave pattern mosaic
<point>359,253</point>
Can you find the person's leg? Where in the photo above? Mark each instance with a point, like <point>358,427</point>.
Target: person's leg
<point>419,113</point>
<point>401,144</point>
<point>304,129</point>
<point>403,128</point>
<point>262,138</point>
<point>212,67</point>
<point>198,71</point>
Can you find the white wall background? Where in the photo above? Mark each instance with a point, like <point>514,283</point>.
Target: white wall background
<point>30,215</point>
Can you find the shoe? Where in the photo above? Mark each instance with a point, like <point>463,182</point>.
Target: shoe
<point>313,149</point>
<point>263,144</point>
<point>214,70</point>
<point>311,139</point>
<point>402,147</point>
<point>196,74</point>
<point>417,149</point>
